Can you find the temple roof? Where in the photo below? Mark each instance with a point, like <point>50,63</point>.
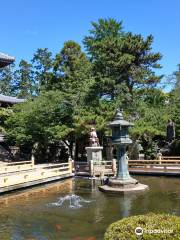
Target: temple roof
<point>5,60</point>
<point>9,99</point>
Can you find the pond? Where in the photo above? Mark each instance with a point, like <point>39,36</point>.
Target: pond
<point>76,210</point>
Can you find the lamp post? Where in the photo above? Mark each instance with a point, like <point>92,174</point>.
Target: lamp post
<point>123,182</point>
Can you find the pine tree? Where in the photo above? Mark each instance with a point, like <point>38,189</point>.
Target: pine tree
<point>42,63</point>
<point>73,71</point>
<point>7,80</point>
<point>24,80</point>
<point>121,60</point>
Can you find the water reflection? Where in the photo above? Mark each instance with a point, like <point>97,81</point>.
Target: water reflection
<point>126,204</point>
<point>79,210</point>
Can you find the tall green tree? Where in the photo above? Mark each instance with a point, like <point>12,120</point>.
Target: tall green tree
<point>45,121</point>
<point>175,102</point>
<point>24,80</point>
<point>73,70</point>
<point>42,63</point>
<point>121,60</point>
<point>7,80</point>
<point>150,114</point>
<point>77,81</point>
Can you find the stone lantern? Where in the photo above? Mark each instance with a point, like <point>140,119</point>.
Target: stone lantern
<point>120,138</point>
<point>123,182</point>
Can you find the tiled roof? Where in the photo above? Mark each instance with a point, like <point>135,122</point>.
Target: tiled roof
<point>5,59</point>
<point>9,99</point>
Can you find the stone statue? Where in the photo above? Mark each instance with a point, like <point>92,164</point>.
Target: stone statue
<point>170,131</point>
<point>93,138</point>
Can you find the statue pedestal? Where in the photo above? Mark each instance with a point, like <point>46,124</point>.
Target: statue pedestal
<point>94,154</point>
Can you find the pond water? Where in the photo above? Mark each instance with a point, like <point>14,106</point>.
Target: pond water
<point>76,210</point>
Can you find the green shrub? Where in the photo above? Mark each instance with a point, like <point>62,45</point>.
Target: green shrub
<point>155,226</point>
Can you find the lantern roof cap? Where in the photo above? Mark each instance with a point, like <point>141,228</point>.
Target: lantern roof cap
<point>119,120</point>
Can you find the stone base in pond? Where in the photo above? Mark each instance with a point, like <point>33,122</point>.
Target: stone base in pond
<point>121,186</point>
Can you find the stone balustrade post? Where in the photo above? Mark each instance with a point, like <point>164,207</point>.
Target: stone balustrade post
<point>159,157</point>
<point>32,159</point>
<point>70,161</point>
<point>114,170</point>
<point>73,167</point>
<point>91,167</point>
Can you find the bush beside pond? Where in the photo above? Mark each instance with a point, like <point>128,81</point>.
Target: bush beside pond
<point>152,224</point>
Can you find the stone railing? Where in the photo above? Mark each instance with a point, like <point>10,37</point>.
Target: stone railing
<point>38,174</point>
<point>96,169</point>
<point>16,166</point>
<point>162,163</point>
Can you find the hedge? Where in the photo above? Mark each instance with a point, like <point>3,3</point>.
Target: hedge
<point>154,227</point>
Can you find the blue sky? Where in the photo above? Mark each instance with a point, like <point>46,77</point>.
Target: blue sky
<point>26,25</point>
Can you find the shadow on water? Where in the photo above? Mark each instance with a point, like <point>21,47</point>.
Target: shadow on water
<point>75,209</point>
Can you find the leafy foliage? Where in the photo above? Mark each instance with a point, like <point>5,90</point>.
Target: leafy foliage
<point>45,120</point>
<point>42,63</point>
<point>24,80</point>
<point>73,70</point>
<point>175,103</point>
<point>7,80</point>
<point>73,90</point>
<point>5,113</point>
<point>125,228</point>
<point>120,58</point>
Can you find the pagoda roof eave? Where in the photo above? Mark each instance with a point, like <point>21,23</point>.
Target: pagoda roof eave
<point>9,99</point>
<point>5,60</point>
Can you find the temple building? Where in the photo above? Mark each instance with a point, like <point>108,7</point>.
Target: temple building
<point>5,60</point>
<point>6,101</point>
